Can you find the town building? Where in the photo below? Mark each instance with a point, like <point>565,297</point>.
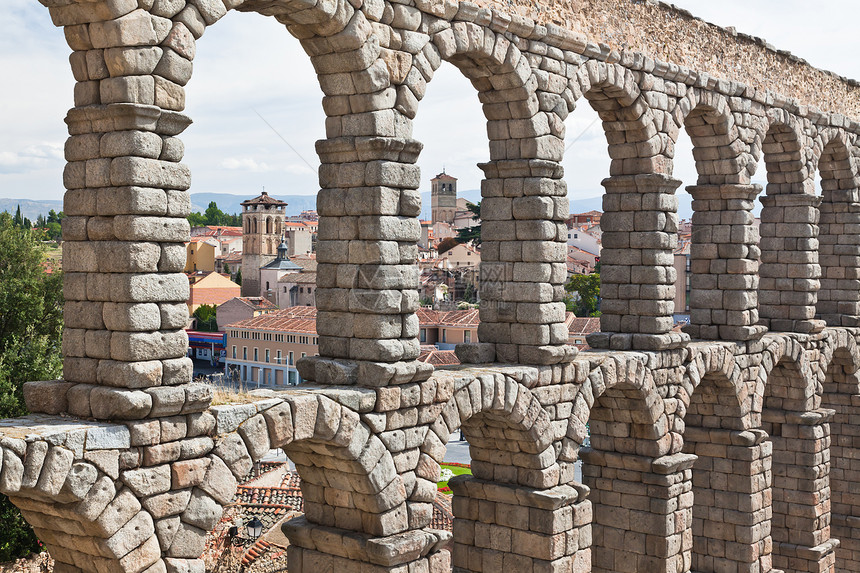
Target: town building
<point>446,329</point>
<point>443,198</point>
<point>262,230</point>
<point>243,308</point>
<point>461,255</point>
<point>272,271</point>
<point>213,288</point>
<point>588,219</point>
<point>584,238</point>
<point>200,254</point>
<point>262,351</point>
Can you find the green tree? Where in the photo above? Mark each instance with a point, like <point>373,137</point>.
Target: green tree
<point>238,279</point>
<point>471,234</point>
<point>31,322</point>
<point>206,315</point>
<point>197,220</point>
<point>226,268</point>
<point>213,215</point>
<point>585,294</point>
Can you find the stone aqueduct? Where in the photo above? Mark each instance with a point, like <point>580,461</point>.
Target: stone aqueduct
<point>732,447</point>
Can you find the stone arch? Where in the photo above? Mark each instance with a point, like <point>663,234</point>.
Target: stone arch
<point>640,214</point>
<point>840,363</point>
<point>86,518</point>
<point>716,396</point>
<point>632,445</point>
<point>506,87</point>
<point>635,143</point>
<point>268,225</point>
<point>523,202</point>
<point>786,380</point>
<point>799,434</point>
<point>721,156</point>
<point>348,476</point>
<point>510,434</point>
<point>788,250</point>
<point>731,462</point>
<point>837,302</point>
<point>785,153</point>
<point>724,253</point>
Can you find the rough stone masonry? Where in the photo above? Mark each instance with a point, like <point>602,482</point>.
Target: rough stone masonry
<point>732,446</point>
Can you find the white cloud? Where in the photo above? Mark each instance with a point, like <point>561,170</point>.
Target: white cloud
<point>31,158</point>
<point>246,164</point>
<point>247,62</point>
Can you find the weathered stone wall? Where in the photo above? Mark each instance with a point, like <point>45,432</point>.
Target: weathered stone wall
<point>663,32</point>
<point>713,456</point>
<point>729,446</point>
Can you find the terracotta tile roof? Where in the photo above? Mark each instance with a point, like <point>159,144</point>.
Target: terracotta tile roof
<point>582,326</point>
<point>458,318</point>
<point>307,262</point>
<point>234,257</point>
<point>299,278</point>
<point>264,199</point>
<point>438,357</point>
<point>257,302</point>
<point>443,514</point>
<point>294,319</point>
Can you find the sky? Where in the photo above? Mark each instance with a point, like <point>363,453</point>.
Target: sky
<point>257,111</point>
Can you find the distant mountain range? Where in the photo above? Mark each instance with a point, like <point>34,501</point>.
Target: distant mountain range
<point>297,203</point>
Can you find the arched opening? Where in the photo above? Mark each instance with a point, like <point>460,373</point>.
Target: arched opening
<point>800,436</point>
<point>838,300</point>
<point>638,493</point>
<point>500,511</point>
<point>722,240</point>
<point>452,128</point>
<point>268,225</point>
<point>730,475</point>
<point>841,393</point>
<point>789,272</point>
<point>586,163</point>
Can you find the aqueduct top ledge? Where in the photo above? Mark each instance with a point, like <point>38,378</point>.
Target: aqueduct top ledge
<point>662,31</point>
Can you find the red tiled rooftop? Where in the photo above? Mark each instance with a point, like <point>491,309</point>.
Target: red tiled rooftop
<point>294,319</point>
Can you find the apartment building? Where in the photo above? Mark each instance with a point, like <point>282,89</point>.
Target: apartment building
<point>262,351</point>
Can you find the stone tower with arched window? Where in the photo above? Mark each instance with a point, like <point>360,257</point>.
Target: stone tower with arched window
<point>262,228</point>
<point>443,198</point>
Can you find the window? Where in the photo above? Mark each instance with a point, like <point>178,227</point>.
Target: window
<point>291,358</point>
<point>256,354</point>
<point>244,353</point>
<point>423,335</point>
<point>234,352</point>
<point>278,357</point>
<point>444,335</point>
<point>267,355</point>
<point>467,336</point>
<point>303,354</point>
<point>267,285</point>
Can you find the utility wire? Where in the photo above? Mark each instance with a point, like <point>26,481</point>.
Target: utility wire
<point>581,133</point>
<point>285,141</point>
